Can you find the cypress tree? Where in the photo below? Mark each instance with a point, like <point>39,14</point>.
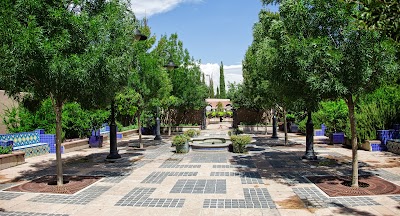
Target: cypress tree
<point>222,91</point>
<point>211,88</point>
<point>218,93</point>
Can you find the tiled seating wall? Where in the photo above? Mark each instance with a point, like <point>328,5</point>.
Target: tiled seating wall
<point>21,139</point>
<point>32,143</point>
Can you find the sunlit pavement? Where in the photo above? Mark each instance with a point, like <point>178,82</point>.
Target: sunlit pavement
<point>268,180</point>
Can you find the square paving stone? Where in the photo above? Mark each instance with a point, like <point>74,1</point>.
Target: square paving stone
<point>201,186</point>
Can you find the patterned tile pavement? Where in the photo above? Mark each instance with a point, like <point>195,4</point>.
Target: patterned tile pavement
<point>16,213</point>
<point>9,196</point>
<point>202,183</point>
<point>81,198</point>
<point>245,177</point>
<point>158,177</point>
<point>140,197</point>
<point>254,198</point>
<point>315,198</point>
<point>200,186</point>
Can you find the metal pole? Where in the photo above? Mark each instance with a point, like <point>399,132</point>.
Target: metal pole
<point>158,133</point>
<point>309,155</point>
<point>113,136</point>
<point>274,132</point>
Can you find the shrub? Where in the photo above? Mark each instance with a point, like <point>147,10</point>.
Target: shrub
<point>6,149</point>
<point>334,114</point>
<point>191,133</point>
<point>229,113</point>
<point>130,127</point>
<point>180,139</point>
<point>221,114</point>
<point>239,143</point>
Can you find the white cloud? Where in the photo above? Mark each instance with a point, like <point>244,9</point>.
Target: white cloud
<point>233,73</point>
<point>143,8</point>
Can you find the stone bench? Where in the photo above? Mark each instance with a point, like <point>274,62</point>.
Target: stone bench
<point>27,142</point>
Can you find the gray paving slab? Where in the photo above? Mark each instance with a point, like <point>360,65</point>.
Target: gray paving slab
<point>313,197</point>
<point>245,177</point>
<point>17,213</point>
<point>81,198</point>
<point>200,186</point>
<point>253,198</point>
<point>140,197</point>
<point>158,177</point>
<point>9,195</point>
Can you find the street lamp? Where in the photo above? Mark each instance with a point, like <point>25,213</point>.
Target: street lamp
<point>274,133</point>
<point>170,66</point>
<point>310,154</point>
<point>113,126</point>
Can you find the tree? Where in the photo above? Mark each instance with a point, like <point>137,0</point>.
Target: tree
<point>382,15</point>
<point>188,90</point>
<point>218,95</point>
<point>341,60</point>
<point>65,52</point>
<point>211,89</point>
<point>222,86</point>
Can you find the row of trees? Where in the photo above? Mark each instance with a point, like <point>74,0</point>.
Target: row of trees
<point>314,50</point>
<point>221,89</point>
<point>85,51</point>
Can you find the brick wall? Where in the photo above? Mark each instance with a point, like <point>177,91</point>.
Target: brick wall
<point>5,103</point>
<point>250,116</point>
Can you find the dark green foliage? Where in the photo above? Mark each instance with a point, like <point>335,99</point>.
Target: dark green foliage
<point>191,132</point>
<point>222,87</point>
<point>334,114</point>
<point>6,149</point>
<point>180,140</point>
<point>377,111</point>
<point>77,122</point>
<point>239,143</point>
<point>382,15</point>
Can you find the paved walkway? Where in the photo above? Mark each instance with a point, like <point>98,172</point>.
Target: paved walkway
<point>269,180</point>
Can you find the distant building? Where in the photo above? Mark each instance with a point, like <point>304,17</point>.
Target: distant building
<point>226,103</point>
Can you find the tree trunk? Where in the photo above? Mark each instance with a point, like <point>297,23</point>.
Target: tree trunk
<point>140,129</point>
<point>285,126</point>
<point>266,122</point>
<point>350,105</point>
<point>58,105</point>
<point>169,122</point>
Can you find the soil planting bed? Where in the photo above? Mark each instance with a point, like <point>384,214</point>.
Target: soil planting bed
<point>47,184</point>
<point>368,185</point>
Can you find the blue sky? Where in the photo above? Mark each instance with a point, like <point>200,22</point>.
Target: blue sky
<point>212,30</point>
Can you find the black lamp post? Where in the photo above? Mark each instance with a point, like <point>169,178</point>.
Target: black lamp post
<point>309,155</point>
<point>170,66</point>
<point>274,133</point>
<point>113,126</point>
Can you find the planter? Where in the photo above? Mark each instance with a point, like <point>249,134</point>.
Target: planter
<point>95,141</point>
<point>148,131</point>
<point>10,160</point>
<point>337,138</point>
<point>182,148</point>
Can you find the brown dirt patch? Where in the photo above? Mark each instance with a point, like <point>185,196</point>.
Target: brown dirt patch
<point>293,202</point>
<point>41,185</point>
<point>335,186</point>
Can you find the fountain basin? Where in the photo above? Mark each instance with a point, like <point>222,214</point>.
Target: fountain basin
<point>210,144</point>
